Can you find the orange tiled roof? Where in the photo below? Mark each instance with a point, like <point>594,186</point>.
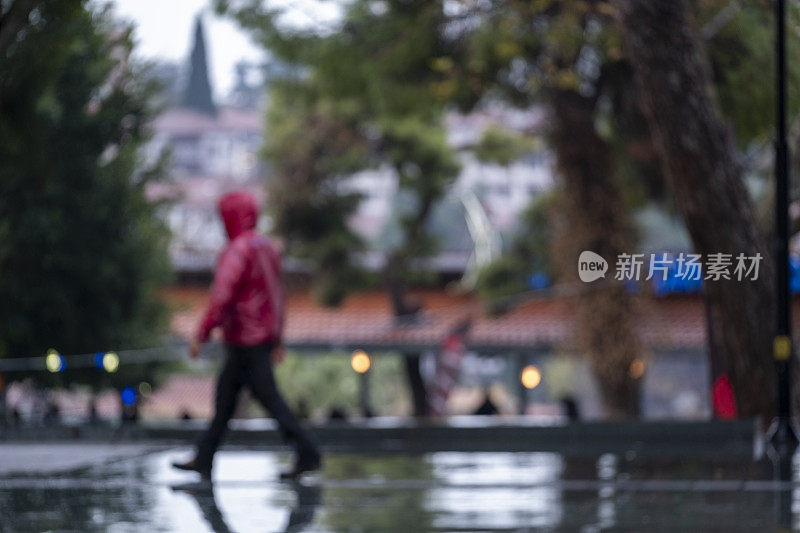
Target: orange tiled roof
<point>365,319</point>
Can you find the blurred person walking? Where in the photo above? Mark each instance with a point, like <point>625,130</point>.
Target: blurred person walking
<point>247,301</point>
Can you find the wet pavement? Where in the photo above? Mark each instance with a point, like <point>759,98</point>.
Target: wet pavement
<point>132,488</point>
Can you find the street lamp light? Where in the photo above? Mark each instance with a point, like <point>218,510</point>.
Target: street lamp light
<point>360,361</point>
<point>530,377</point>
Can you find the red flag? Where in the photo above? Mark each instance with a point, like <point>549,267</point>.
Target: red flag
<point>448,368</point>
<point>723,399</point>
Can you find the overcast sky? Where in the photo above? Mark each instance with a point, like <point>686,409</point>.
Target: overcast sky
<point>164,31</point>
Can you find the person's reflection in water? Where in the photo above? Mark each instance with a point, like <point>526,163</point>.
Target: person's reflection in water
<point>204,496</point>
<point>308,499</point>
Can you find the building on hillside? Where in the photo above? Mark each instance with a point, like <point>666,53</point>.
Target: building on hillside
<point>212,149</point>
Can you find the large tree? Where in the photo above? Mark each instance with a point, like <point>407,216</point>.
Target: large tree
<point>81,252</point>
<point>738,37</point>
<point>700,161</point>
<point>394,66</point>
<point>366,92</point>
<point>570,65</point>
<point>596,219</point>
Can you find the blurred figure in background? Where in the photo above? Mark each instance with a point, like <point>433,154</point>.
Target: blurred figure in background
<point>570,409</point>
<point>52,415</point>
<point>130,412</point>
<point>94,416</point>
<point>16,416</point>
<point>487,408</point>
<point>247,302</point>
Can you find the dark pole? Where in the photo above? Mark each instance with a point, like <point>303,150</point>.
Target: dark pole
<point>522,391</point>
<point>782,432</point>
<point>366,409</point>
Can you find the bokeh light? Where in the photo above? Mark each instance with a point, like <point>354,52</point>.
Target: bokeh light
<point>128,396</point>
<point>530,377</point>
<point>636,370</point>
<point>110,362</point>
<point>145,389</point>
<point>53,361</point>
<point>360,361</point>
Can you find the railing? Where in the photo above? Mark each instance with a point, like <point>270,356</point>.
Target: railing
<point>536,381</point>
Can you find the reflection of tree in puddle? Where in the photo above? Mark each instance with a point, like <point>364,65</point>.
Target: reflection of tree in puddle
<point>450,491</point>
<point>76,509</point>
<point>385,507</point>
<point>444,491</point>
<point>491,491</point>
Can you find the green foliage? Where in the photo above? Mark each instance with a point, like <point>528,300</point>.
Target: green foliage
<point>81,253</point>
<point>503,278</point>
<point>385,73</point>
<point>561,370</point>
<point>530,245</point>
<point>522,49</point>
<point>742,57</point>
<point>578,48</point>
<point>327,381</point>
<point>310,147</point>
<point>529,253</point>
<point>534,237</point>
<point>368,93</point>
<point>502,147</point>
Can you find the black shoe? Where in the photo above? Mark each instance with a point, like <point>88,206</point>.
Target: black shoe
<point>192,466</point>
<point>304,463</point>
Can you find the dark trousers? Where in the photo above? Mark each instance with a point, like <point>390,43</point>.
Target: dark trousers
<point>251,366</point>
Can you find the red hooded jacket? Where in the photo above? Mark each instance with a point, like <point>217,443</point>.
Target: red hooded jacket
<point>247,298</point>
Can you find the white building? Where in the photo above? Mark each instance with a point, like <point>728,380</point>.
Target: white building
<point>212,150</point>
<point>224,146</point>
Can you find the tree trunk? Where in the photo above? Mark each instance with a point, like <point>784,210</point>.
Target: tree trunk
<point>405,312</point>
<point>596,221</point>
<point>419,393</point>
<point>699,159</point>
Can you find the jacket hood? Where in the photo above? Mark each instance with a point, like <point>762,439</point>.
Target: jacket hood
<point>239,212</point>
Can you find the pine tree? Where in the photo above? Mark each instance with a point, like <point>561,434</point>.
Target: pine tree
<point>81,252</point>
